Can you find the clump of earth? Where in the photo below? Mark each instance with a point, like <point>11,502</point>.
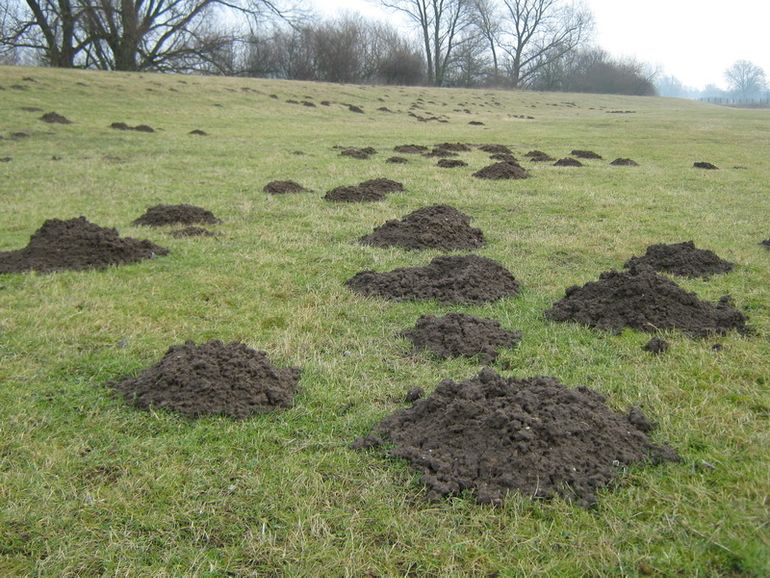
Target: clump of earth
<point>282,187</point>
<point>76,244</point>
<point>397,160</point>
<point>358,153</point>
<point>681,259</point>
<point>455,147</point>
<point>161,215</point>
<point>501,171</point>
<point>624,163</point>
<point>705,165</point>
<point>644,300</point>
<point>371,190</point>
<point>765,243</point>
<point>213,378</point>
<point>451,163</point>
<point>492,436</point>
<point>581,154</point>
<point>435,227</point>
<point>568,162</point>
<point>656,346</point>
<point>55,118</point>
<point>495,149</point>
<point>460,335</point>
<point>449,279</point>
<point>137,128</point>
<point>537,156</point>
<point>411,149</point>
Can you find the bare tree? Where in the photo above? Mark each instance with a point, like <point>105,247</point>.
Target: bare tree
<point>536,33</point>
<point>440,23</point>
<point>746,78</point>
<point>486,19</point>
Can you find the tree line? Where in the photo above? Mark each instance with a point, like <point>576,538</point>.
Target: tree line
<point>535,44</point>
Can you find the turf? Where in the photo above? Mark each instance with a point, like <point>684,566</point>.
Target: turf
<point>91,486</point>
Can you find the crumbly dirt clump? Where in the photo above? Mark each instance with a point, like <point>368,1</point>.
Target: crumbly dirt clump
<point>76,244</point>
<point>460,335</point>
<point>624,163</point>
<point>161,215</point>
<point>212,379</point>
<point>501,171</point>
<point>491,436</point>
<point>371,190</point>
<point>643,300</point>
<point>411,149</point>
<point>55,118</point>
<point>705,165</point>
<point>581,154</point>
<point>682,259</point>
<point>765,243</point>
<point>282,187</point>
<point>448,279</point>
<point>435,227</point>
<point>568,162</point>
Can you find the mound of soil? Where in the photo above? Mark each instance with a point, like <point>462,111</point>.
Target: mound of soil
<point>539,157</point>
<point>476,123</point>
<point>681,259</point>
<point>356,109</point>
<point>459,335</point>
<point>212,379</point>
<point>643,300</point>
<point>137,128</point>
<point>198,132</point>
<point>410,149</point>
<point>192,232</point>
<point>435,227</point>
<point>76,244</point>
<point>704,165</point>
<point>495,149</point>
<point>504,157</point>
<point>397,160</point>
<point>765,243</point>
<point>356,153</point>
<point>455,147</point>
<point>451,163</point>
<point>55,118</point>
<point>624,163</point>
<point>183,214</point>
<point>568,162</point>
<point>440,153</point>
<point>502,170</point>
<point>282,187</point>
<point>656,346</point>
<point>371,190</point>
<point>448,279</point>
<point>585,154</point>
<point>493,435</point>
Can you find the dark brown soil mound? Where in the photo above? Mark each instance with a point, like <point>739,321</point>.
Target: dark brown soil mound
<point>76,244</point>
<point>354,108</point>
<point>161,215</point>
<point>656,346</point>
<point>539,157</point>
<point>440,153</point>
<point>681,259</point>
<point>55,118</point>
<point>411,149</point>
<point>371,190</point>
<point>449,279</point>
<point>356,153</point>
<point>643,300</point>
<point>456,335</point>
<point>624,163</point>
<point>120,126</point>
<point>476,123</point>
<point>502,170</point>
<point>765,243</point>
<point>585,154</point>
<point>397,160</point>
<point>704,165</point>
<point>504,157</point>
<point>455,147</point>
<point>212,379</point>
<point>435,227</point>
<point>451,163</point>
<point>568,162</point>
<point>137,128</point>
<point>495,149</point>
<point>282,187</point>
<point>493,435</point>
<point>198,132</point>
<point>192,232</point>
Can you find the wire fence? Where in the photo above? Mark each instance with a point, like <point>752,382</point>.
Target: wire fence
<point>763,102</point>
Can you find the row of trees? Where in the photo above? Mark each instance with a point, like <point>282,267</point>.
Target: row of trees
<point>516,43</point>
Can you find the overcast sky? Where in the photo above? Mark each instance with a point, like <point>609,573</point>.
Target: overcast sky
<point>694,40</point>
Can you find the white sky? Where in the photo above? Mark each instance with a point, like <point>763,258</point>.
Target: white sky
<point>694,40</point>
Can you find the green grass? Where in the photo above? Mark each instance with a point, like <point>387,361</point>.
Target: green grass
<point>90,486</point>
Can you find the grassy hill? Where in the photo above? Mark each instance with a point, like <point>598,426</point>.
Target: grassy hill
<point>91,486</point>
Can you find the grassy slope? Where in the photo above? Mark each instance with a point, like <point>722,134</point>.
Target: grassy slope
<point>90,486</point>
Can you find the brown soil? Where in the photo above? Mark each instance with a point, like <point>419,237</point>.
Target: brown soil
<point>397,160</point>
<point>704,165</point>
<point>435,227</point>
<point>120,126</point>
<point>198,132</point>
<point>476,123</point>
<point>440,153</point>
<point>76,244</point>
<point>455,147</point>
<point>161,215</point>
<point>681,259</point>
<point>656,346</point>
<point>765,243</point>
<point>192,232</point>
<point>451,163</point>
<point>496,149</point>
<point>212,379</point>
<point>137,128</point>
<point>491,436</point>
<point>448,279</point>
<point>354,108</point>
<point>143,128</point>
<point>55,118</point>
<point>456,335</point>
<point>585,154</point>
<point>356,153</point>
<point>539,157</point>
<point>502,170</point>
<point>282,187</point>
<point>643,300</point>
<point>568,162</point>
<point>504,157</point>
<point>410,149</point>
<point>624,163</point>
<point>371,190</point>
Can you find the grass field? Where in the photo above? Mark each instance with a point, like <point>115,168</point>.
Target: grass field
<point>90,486</point>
